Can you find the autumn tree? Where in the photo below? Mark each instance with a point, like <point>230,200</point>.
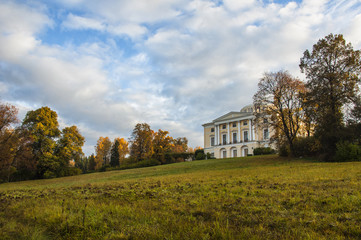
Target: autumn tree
<point>278,104</point>
<point>162,144</point>
<point>44,129</point>
<point>180,145</point>
<point>69,147</point>
<point>8,117</point>
<point>118,152</point>
<point>103,153</point>
<point>332,70</point>
<point>141,147</point>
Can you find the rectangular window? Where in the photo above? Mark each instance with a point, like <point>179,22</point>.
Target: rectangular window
<point>234,137</point>
<point>265,120</point>
<point>224,153</point>
<point>245,136</point>
<point>245,123</point>
<point>234,125</point>
<point>265,134</point>
<point>224,139</point>
<point>224,126</point>
<point>235,153</point>
<point>212,141</point>
<point>212,129</point>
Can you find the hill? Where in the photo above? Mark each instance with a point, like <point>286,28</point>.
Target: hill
<point>240,198</point>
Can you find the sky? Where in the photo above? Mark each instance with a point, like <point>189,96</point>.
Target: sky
<point>107,65</point>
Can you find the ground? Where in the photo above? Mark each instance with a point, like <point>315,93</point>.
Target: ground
<point>265,197</point>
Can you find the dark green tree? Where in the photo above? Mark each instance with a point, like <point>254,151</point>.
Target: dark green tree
<point>332,70</point>
<point>114,154</point>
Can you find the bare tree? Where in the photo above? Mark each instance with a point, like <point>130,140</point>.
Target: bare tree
<point>278,104</point>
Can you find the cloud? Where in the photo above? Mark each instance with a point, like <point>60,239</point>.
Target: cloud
<point>172,64</point>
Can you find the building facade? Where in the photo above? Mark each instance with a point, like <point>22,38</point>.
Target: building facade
<point>235,134</point>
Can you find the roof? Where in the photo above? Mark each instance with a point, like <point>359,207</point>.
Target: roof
<point>246,112</point>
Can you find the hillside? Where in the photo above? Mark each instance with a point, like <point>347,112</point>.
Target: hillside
<point>241,198</point>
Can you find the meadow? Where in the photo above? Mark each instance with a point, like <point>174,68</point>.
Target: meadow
<point>264,197</point>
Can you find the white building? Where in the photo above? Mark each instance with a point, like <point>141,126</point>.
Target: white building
<point>235,134</point>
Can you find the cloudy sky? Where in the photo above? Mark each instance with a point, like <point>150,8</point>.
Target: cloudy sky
<point>175,64</point>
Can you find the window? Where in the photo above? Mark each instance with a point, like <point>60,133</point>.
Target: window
<point>212,141</point>
<point>265,134</point>
<point>234,125</point>
<point>245,152</point>
<point>234,137</point>
<point>224,139</point>
<point>212,129</point>
<point>224,153</point>
<point>265,120</point>
<point>235,153</point>
<point>245,136</point>
<point>245,123</point>
<point>224,126</point>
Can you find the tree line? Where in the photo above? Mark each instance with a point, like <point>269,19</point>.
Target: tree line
<point>145,148</point>
<point>36,148</point>
<point>320,116</point>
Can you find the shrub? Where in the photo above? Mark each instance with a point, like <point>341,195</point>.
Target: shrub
<point>263,151</point>
<point>306,146</point>
<point>283,151</point>
<point>199,154</point>
<point>347,152</point>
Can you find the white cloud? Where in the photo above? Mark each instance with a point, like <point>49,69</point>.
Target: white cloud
<point>77,22</point>
<point>188,61</point>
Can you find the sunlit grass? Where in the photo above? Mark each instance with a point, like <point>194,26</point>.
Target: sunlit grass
<point>241,198</point>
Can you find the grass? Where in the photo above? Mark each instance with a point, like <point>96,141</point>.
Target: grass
<point>239,198</point>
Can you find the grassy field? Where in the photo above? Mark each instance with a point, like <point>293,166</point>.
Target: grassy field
<point>241,198</point>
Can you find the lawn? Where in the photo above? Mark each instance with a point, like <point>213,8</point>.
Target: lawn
<point>239,198</point>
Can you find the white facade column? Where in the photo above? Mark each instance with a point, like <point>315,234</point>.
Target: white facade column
<point>254,137</point>
<point>250,130</point>
<point>216,135</point>
<point>239,131</point>
<point>229,134</point>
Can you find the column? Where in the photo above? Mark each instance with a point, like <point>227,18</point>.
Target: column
<point>229,134</point>
<point>250,130</point>
<point>239,131</point>
<point>254,137</point>
<point>216,135</point>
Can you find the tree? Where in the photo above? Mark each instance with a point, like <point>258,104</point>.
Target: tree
<point>43,127</point>
<point>278,104</point>
<point>180,145</point>
<point>92,162</point>
<point>141,142</point>
<point>162,144</point>
<point>118,152</point>
<point>8,117</point>
<point>69,147</point>
<point>333,73</point>
<point>102,150</point>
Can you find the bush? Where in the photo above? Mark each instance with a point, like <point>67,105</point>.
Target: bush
<point>347,152</point>
<point>263,151</point>
<point>199,154</point>
<point>306,146</point>
<point>283,151</point>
